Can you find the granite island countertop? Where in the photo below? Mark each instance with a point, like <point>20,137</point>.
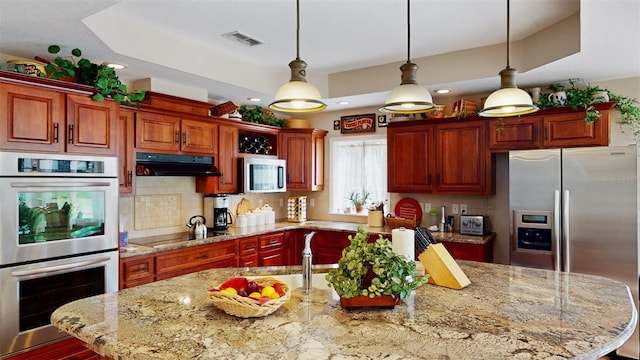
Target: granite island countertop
<point>506,313</point>
<point>159,243</point>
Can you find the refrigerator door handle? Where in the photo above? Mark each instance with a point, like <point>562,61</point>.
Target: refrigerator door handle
<point>566,231</point>
<point>556,230</point>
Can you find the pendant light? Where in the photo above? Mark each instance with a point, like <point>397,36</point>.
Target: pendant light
<point>298,96</point>
<point>408,97</point>
<point>508,100</point>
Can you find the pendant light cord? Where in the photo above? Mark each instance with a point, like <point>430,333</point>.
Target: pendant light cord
<point>297,29</point>
<point>408,31</point>
<point>508,23</point>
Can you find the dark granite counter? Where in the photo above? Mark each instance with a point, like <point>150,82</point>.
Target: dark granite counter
<point>506,313</point>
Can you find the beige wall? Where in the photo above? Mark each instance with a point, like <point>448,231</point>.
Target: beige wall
<point>155,189</point>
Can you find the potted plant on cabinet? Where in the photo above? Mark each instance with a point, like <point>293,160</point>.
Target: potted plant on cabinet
<point>371,274</point>
<point>358,199</point>
<point>103,78</point>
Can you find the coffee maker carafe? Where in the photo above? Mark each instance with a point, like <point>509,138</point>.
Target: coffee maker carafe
<point>217,212</point>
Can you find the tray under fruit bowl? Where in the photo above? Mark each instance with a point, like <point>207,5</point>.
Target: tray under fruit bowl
<point>246,307</point>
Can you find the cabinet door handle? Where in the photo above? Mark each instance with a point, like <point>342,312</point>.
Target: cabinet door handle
<point>130,178</point>
<point>177,137</point>
<point>437,179</point>
<point>535,133</point>
<point>70,134</point>
<point>184,138</point>
<point>56,130</point>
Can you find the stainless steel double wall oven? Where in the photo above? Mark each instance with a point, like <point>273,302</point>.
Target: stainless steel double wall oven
<point>59,240</point>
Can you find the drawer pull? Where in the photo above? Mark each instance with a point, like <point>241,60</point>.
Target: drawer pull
<point>250,247</point>
<point>139,270</point>
<point>202,257</point>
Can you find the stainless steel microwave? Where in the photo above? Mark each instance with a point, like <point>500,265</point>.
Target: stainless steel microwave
<point>263,175</point>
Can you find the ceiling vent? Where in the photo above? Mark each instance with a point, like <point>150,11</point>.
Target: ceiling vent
<point>242,38</point>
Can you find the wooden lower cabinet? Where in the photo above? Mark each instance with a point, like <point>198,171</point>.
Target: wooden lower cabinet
<point>68,349</point>
<point>327,246</point>
<point>473,252</point>
<point>197,258</point>
<point>137,270</point>
<point>248,252</point>
<point>271,250</point>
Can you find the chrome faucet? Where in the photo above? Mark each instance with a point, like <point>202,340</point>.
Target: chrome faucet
<point>306,262</point>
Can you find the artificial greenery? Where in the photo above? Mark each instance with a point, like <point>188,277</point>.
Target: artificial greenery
<point>579,98</point>
<point>390,273</point>
<point>103,78</point>
<point>259,115</point>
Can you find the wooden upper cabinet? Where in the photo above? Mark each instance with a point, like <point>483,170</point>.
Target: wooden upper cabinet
<point>199,137</point>
<point>157,132</point>
<point>33,119</point>
<point>304,151</point>
<point>515,133</point>
<point>550,128</point>
<point>463,164</point>
<point>568,130</point>
<point>91,125</point>
<point>39,119</point>
<point>410,158</point>
<point>126,154</point>
<point>226,162</point>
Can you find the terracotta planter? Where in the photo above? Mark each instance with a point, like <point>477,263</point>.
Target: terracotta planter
<point>384,301</point>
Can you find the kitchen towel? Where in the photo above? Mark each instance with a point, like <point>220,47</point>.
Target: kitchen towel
<point>403,242</point>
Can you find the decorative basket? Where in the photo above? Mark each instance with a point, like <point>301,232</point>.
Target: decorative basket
<point>247,307</point>
<point>224,108</point>
<point>396,222</point>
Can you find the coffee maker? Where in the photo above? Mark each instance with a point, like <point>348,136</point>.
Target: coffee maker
<point>216,212</point>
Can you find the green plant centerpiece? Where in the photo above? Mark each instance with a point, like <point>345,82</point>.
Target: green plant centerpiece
<point>259,115</point>
<point>372,269</point>
<point>103,78</point>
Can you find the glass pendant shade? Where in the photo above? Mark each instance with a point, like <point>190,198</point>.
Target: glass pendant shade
<point>297,95</point>
<point>508,100</point>
<point>409,97</point>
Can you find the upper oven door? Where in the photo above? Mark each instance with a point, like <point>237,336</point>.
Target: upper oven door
<point>48,217</point>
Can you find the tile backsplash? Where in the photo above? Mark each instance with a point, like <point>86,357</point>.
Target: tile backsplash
<point>157,211</point>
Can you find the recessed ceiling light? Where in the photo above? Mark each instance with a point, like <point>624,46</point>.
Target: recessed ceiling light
<point>343,103</point>
<point>114,65</point>
<point>443,91</point>
<point>254,99</point>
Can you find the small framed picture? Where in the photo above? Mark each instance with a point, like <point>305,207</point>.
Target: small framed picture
<point>358,124</point>
<point>336,124</point>
<point>382,120</point>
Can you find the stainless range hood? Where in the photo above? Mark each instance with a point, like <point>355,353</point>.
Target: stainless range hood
<point>151,164</point>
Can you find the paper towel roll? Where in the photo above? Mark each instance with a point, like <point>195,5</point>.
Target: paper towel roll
<point>403,242</point>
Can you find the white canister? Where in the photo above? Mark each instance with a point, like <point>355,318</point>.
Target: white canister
<point>260,218</point>
<point>241,221</point>
<point>251,219</point>
<point>270,215</point>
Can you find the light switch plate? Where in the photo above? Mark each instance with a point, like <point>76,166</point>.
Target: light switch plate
<point>454,209</point>
<point>426,207</point>
<point>312,202</point>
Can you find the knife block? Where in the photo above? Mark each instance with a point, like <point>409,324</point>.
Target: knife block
<point>442,268</point>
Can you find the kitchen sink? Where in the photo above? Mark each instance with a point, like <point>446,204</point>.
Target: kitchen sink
<point>294,281</point>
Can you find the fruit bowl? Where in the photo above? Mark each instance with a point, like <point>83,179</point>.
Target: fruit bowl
<point>245,306</point>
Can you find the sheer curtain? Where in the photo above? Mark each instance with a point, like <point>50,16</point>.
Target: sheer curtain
<point>357,165</point>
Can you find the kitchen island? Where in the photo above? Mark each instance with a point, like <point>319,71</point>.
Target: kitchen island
<point>506,312</point>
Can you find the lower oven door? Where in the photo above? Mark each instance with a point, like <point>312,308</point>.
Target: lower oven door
<point>31,292</point>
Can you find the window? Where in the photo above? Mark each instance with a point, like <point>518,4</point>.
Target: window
<point>357,164</point>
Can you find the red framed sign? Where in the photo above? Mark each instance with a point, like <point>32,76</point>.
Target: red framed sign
<point>358,123</point>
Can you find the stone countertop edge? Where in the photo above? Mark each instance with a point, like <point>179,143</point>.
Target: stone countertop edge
<point>136,246</point>
<point>507,312</point>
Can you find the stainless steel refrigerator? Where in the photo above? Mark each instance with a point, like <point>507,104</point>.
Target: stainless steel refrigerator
<point>576,210</point>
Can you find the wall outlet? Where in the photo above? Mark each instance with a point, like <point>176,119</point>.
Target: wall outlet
<point>426,207</point>
<point>281,202</point>
<point>312,202</point>
<point>454,209</point>
<point>463,209</point>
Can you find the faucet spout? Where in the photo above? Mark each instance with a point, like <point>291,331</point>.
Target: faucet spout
<point>306,262</point>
